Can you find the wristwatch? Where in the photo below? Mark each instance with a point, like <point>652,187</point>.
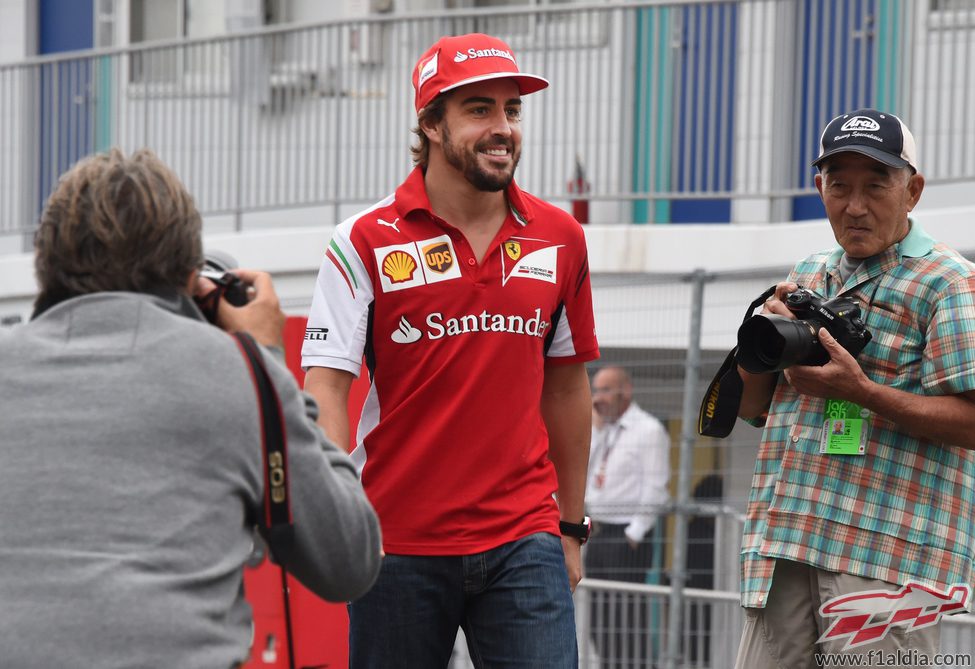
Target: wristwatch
<point>580,531</point>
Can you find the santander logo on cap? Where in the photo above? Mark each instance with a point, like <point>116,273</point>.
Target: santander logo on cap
<point>466,59</point>
<point>483,53</point>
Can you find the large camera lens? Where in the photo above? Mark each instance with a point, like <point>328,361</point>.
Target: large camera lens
<point>771,343</point>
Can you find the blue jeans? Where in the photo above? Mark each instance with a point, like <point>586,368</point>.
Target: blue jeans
<point>513,603</point>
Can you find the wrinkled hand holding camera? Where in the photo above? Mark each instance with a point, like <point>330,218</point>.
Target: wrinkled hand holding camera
<point>771,343</point>
<point>216,268</point>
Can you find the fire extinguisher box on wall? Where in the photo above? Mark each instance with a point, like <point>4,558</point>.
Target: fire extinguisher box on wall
<point>579,187</point>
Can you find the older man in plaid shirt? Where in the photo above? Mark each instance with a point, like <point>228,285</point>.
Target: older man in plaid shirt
<point>865,478</point>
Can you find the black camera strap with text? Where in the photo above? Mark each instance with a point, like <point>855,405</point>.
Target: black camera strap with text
<point>276,523</point>
<point>719,408</point>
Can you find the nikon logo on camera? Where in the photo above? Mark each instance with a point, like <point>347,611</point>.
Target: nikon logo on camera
<point>712,402</point>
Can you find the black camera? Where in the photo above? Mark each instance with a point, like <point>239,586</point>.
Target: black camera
<point>216,268</point>
<point>771,343</point>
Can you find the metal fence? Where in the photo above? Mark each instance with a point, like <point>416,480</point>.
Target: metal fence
<point>678,111</point>
<point>671,334</point>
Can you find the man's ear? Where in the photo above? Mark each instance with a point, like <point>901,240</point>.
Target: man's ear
<point>915,186</point>
<point>431,130</point>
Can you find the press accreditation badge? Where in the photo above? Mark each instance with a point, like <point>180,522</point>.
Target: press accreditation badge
<point>845,428</point>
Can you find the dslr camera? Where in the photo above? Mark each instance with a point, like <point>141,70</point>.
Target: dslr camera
<point>216,267</point>
<point>771,343</point>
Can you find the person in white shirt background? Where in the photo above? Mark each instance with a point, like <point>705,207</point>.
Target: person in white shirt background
<point>629,468</point>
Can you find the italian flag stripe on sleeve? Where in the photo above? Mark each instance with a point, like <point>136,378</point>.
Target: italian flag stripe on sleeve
<point>350,275</point>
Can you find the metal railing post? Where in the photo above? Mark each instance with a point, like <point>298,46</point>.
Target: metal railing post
<point>688,435</point>
<point>239,92</point>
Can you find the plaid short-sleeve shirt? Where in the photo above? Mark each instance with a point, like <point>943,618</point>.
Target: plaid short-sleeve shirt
<point>904,511</point>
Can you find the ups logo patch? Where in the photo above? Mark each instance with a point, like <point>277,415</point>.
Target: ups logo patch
<point>438,257</point>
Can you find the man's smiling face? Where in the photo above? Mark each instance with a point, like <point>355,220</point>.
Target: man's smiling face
<point>481,132</point>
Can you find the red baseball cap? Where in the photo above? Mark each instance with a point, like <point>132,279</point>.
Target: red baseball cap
<point>456,61</point>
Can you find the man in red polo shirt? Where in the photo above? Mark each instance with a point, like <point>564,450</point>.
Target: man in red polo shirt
<point>470,300</point>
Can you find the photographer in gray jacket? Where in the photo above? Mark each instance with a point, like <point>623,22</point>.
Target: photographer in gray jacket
<point>131,443</point>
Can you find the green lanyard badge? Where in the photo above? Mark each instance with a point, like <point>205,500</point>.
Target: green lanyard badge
<point>845,428</point>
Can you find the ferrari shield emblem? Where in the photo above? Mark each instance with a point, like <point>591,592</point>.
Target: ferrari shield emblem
<point>513,249</point>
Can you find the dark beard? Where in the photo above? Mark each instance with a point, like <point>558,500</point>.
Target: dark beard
<point>466,163</point>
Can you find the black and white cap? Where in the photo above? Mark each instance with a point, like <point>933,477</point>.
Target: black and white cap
<point>880,135</point>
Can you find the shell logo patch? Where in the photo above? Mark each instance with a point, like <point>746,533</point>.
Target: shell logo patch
<point>399,266</point>
<point>513,249</point>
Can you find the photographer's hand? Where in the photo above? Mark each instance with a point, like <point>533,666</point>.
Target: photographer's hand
<point>776,303</point>
<point>840,378</point>
<point>262,317</point>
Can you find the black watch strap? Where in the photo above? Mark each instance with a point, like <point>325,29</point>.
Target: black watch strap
<point>580,531</point>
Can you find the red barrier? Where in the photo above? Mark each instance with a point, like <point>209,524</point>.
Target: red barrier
<point>320,629</point>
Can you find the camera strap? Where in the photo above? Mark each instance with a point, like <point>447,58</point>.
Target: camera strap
<point>276,524</point>
<point>276,521</point>
<point>719,408</point>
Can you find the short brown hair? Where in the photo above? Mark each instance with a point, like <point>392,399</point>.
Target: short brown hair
<point>432,114</point>
<point>115,223</point>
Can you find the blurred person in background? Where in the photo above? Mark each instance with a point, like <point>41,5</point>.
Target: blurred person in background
<point>470,299</point>
<point>629,468</point>
<point>826,518</point>
<point>132,458</point>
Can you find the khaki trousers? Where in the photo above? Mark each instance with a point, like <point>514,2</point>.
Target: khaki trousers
<point>783,635</point>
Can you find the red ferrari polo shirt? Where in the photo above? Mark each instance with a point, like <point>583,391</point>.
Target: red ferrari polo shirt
<point>451,445</point>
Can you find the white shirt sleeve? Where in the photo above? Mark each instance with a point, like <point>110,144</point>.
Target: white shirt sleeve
<point>655,461</point>
<point>339,315</point>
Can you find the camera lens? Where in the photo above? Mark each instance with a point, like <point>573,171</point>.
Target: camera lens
<point>771,343</point>
<point>768,349</point>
